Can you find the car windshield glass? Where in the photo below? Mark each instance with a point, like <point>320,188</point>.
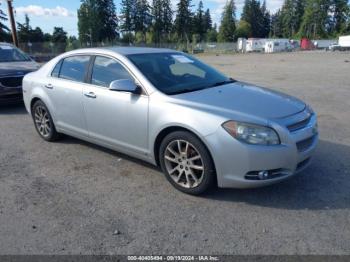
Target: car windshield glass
<point>176,73</point>
<point>11,54</point>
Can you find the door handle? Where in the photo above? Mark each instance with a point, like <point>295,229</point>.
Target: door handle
<point>90,95</point>
<point>49,86</point>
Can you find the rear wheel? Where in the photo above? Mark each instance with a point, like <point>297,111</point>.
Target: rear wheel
<point>43,122</point>
<point>186,163</point>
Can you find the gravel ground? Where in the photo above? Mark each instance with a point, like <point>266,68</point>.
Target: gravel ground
<point>72,197</point>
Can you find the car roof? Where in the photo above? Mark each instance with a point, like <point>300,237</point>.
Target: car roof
<point>138,50</point>
<point>125,50</point>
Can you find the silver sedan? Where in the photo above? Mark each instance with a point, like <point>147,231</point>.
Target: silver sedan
<point>168,108</point>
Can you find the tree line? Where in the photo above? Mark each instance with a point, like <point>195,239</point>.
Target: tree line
<point>155,22</point>
<point>311,18</point>
<point>142,22</point>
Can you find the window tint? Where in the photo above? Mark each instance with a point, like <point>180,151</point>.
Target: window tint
<point>55,72</point>
<point>106,70</point>
<point>74,68</point>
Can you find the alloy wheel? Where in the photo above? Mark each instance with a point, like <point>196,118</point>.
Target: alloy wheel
<point>184,163</point>
<point>42,121</point>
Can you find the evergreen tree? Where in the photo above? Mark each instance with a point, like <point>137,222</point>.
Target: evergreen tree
<point>162,20</point>
<point>316,19</point>
<point>252,13</point>
<point>3,28</point>
<point>183,20</point>
<point>276,25</point>
<point>291,16</point>
<point>167,17</point>
<point>199,22</point>
<point>97,21</point>
<point>157,13</point>
<point>142,18</point>
<point>47,37</point>
<point>59,37</point>
<point>266,20</point>
<point>212,35</point>
<point>340,10</point>
<point>107,20</point>
<point>37,35</point>
<point>128,14</point>
<point>228,23</point>
<point>89,24</point>
<point>24,30</point>
<point>208,22</point>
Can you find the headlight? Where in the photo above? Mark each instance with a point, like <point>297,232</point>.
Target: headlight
<point>252,134</point>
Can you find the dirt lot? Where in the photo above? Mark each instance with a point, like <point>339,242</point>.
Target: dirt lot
<point>72,197</point>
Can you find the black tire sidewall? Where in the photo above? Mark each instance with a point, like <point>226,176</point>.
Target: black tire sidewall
<point>209,169</point>
<point>53,133</point>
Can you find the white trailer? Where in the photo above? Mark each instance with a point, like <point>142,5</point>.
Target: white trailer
<point>277,45</point>
<point>344,42</point>
<point>323,44</point>
<point>255,45</point>
<point>342,45</point>
<point>241,45</point>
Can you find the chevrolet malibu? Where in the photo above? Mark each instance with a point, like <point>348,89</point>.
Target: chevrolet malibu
<point>170,109</point>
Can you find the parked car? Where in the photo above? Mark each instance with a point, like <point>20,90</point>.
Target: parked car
<point>334,47</point>
<point>168,108</point>
<point>14,64</point>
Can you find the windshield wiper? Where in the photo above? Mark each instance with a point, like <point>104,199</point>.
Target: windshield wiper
<point>187,90</point>
<point>223,83</point>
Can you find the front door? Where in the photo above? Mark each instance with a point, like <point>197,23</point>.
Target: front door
<point>118,119</point>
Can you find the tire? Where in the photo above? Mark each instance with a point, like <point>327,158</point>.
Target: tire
<point>186,163</point>
<point>43,122</point>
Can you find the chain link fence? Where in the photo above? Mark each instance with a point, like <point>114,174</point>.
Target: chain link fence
<point>44,51</point>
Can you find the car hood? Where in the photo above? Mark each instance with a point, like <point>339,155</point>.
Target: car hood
<point>17,68</point>
<point>242,98</point>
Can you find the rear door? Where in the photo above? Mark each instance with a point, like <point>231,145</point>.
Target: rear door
<point>65,87</point>
<point>118,119</point>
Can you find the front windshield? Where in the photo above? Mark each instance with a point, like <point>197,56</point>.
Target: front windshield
<point>175,73</point>
<point>11,54</point>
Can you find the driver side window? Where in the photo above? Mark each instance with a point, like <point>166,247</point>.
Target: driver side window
<point>105,70</point>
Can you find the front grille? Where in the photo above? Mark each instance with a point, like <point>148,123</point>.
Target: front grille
<point>305,144</point>
<point>13,81</point>
<point>299,125</point>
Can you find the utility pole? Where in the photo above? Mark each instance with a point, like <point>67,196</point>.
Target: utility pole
<point>12,21</point>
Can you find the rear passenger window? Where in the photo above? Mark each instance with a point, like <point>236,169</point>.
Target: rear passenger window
<point>74,68</point>
<point>55,72</point>
<point>106,70</point>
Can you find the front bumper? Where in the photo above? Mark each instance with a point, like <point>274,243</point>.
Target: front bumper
<point>235,161</point>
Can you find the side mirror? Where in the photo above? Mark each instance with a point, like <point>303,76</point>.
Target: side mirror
<point>125,85</point>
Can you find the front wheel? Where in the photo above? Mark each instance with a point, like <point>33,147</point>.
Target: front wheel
<point>43,122</point>
<point>186,163</point>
